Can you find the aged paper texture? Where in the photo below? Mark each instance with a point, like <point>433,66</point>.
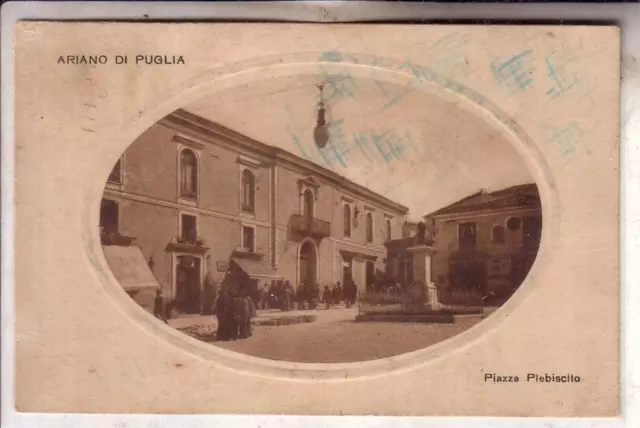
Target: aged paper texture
<point>317,219</point>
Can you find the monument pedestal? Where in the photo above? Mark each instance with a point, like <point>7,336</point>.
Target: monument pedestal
<point>424,293</point>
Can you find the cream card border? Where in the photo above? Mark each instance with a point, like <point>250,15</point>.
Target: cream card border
<point>630,128</point>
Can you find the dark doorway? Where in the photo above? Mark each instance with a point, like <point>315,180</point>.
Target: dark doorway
<point>188,284</point>
<point>370,278</point>
<point>308,264</point>
<point>109,216</point>
<point>347,271</point>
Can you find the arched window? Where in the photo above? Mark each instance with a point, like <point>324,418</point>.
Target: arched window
<point>497,235</point>
<point>369,227</point>
<point>308,203</point>
<point>347,220</point>
<point>188,174</point>
<point>248,191</point>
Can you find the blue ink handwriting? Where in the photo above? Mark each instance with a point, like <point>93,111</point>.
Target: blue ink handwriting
<point>339,86</point>
<point>569,139</point>
<point>514,73</point>
<point>564,75</point>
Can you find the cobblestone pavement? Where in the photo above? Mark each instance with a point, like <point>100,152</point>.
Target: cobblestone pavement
<point>336,337</point>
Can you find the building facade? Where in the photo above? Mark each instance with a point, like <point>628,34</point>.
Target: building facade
<point>485,245</point>
<point>487,242</point>
<point>201,200</point>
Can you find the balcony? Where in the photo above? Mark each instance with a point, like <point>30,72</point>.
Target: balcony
<point>309,226</point>
<point>189,245</point>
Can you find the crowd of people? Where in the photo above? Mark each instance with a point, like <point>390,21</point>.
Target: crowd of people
<point>235,306</point>
<point>234,312</point>
<point>281,295</point>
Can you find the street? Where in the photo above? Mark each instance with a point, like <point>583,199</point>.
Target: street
<point>335,337</point>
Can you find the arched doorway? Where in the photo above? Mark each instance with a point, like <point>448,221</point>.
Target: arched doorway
<point>307,263</point>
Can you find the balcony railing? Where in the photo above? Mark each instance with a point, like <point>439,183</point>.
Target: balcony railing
<point>310,226</point>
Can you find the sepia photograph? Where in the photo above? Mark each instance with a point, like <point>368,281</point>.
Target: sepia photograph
<point>287,253</point>
<point>316,219</point>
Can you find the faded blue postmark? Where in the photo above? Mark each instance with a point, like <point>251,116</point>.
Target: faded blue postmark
<point>448,53</point>
<point>375,146</point>
<point>515,73</point>
<point>338,86</point>
<point>565,74</point>
<point>568,139</point>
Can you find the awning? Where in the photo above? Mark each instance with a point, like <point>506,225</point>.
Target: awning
<point>256,269</point>
<point>129,267</point>
<point>348,255</point>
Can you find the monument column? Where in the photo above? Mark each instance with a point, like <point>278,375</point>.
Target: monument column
<point>421,255</point>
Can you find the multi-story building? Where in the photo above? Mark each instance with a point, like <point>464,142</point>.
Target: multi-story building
<point>201,200</point>
<point>484,244</point>
<point>487,241</point>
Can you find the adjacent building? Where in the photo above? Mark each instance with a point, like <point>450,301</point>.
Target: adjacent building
<point>487,241</point>
<point>201,200</point>
<point>485,244</point>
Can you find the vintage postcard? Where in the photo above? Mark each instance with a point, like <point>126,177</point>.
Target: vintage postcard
<point>358,219</point>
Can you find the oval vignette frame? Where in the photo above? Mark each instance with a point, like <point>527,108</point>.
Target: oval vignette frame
<point>213,81</point>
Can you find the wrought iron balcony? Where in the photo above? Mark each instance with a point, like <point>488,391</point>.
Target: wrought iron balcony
<point>310,226</point>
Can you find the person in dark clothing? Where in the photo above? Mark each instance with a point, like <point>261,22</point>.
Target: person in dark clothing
<point>248,311</point>
<point>227,325</point>
<point>326,297</point>
<point>159,310</point>
<point>335,299</point>
<point>243,316</point>
<point>288,294</point>
<point>351,292</point>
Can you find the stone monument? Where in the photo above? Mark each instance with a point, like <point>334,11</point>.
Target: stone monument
<point>423,294</point>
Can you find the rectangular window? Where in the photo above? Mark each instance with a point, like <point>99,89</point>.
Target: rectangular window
<point>467,236</point>
<point>388,231</point>
<point>498,234</point>
<point>248,238</point>
<point>188,230</point>
<point>347,220</point>
<point>116,173</point>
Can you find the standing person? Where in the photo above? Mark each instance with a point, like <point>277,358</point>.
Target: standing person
<point>159,308</point>
<point>209,287</point>
<point>288,296</point>
<point>301,295</point>
<point>314,296</point>
<point>250,309</point>
<point>351,291</point>
<point>326,297</point>
<point>273,293</point>
<point>222,302</point>
<point>227,327</point>
<point>264,297</point>
<point>242,312</point>
<point>340,293</point>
